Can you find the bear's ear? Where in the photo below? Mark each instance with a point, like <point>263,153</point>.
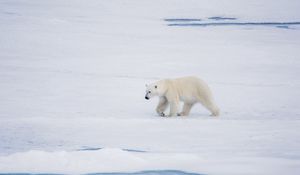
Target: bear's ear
<point>155,86</point>
<point>146,85</point>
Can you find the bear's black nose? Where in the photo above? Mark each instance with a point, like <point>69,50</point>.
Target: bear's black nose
<point>147,98</point>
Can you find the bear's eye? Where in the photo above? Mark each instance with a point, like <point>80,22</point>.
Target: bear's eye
<point>149,92</point>
<point>155,87</point>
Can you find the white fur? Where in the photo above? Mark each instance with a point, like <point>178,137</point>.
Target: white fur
<point>190,90</point>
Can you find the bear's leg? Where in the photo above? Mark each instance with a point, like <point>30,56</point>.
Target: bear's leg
<point>215,111</point>
<point>186,109</point>
<point>173,108</point>
<point>162,106</point>
<point>211,107</point>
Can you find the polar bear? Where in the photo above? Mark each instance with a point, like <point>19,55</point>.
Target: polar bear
<point>190,90</point>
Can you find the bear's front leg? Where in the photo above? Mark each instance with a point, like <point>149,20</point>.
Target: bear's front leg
<point>162,106</point>
<point>173,109</point>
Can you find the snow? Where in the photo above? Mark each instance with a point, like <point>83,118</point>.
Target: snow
<point>73,75</point>
<point>113,159</point>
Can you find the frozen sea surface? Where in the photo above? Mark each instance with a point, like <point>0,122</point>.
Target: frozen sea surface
<point>157,172</point>
<point>73,75</point>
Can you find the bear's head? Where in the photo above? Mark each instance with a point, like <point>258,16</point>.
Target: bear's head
<point>154,89</point>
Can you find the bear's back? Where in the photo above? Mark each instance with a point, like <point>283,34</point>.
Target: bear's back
<point>192,86</point>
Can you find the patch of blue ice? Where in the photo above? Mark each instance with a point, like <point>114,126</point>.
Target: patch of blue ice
<point>220,18</point>
<point>207,24</point>
<point>283,27</point>
<point>134,150</point>
<point>86,148</point>
<point>182,19</point>
<point>151,172</point>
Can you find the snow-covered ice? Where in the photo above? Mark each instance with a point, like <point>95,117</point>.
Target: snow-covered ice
<point>73,75</point>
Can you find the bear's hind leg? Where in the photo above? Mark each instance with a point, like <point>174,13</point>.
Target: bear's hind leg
<point>186,109</point>
<point>208,104</point>
<point>211,107</point>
